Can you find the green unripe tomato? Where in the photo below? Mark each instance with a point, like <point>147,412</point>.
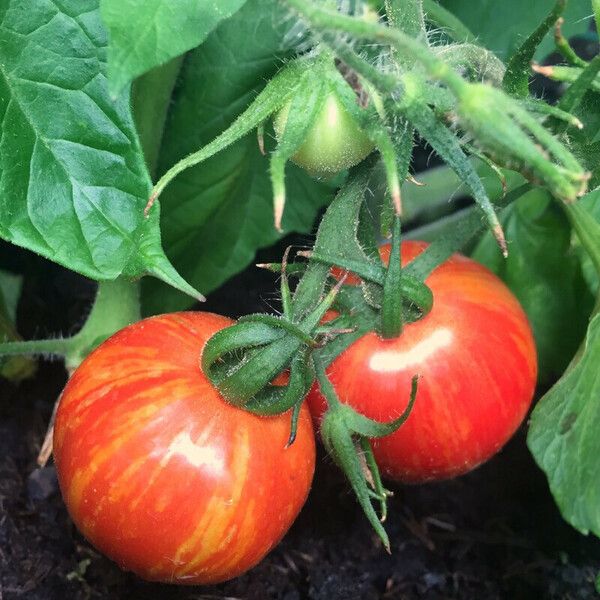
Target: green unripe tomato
<point>334,143</point>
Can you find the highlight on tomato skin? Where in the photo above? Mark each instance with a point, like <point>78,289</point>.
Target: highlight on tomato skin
<point>160,473</point>
<point>477,362</point>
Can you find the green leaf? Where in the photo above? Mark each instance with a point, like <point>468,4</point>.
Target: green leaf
<point>218,213</point>
<point>502,26</point>
<point>146,33</point>
<point>73,183</point>
<point>563,437</point>
<point>544,273</point>
<point>518,71</point>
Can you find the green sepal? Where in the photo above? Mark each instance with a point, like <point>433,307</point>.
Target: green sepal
<point>516,78</point>
<point>340,445</point>
<point>564,47</point>
<point>279,399</point>
<point>244,359</point>
<point>461,232</point>
<point>540,107</point>
<point>339,222</point>
<point>414,291</point>
<point>241,335</point>
<point>378,491</point>
<point>515,139</point>
<point>294,423</point>
<point>246,378</point>
<point>446,144</point>
<point>585,81</point>
<point>275,94</point>
<point>305,107</point>
<point>567,75</point>
<point>279,322</point>
<point>366,427</point>
<point>342,429</point>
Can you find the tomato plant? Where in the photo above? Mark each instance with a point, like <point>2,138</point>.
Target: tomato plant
<point>335,141</point>
<point>476,359</point>
<point>160,473</point>
<point>156,174</point>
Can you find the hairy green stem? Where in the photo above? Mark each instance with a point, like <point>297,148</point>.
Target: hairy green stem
<point>406,15</point>
<point>116,305</point>
<point>331,21</point>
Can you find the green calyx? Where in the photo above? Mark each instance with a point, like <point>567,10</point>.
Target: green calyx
<point>346,434</point>
<point>246,361</point>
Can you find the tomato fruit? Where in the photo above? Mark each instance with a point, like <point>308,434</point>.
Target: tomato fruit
<point>160,473</point>
<point>335,142</point>
<point>477,360</point>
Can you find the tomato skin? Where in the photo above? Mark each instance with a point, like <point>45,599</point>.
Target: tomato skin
<point>477,360</point>
<point>160,473</point>
<point>335,142</point>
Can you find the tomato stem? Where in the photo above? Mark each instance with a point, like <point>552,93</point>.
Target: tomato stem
<point>322,19</point>
<point>116,305</point>
<point>325,385</point>
<point>391,309</point>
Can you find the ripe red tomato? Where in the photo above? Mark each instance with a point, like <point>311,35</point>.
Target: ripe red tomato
<point>160,473</point>
<point>477,360</point>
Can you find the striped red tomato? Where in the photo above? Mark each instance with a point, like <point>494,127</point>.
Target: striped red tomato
<point>477,360</point>
<point>160,473</point>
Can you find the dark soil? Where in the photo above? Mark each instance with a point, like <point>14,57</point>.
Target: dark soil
<point>492,534</point>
